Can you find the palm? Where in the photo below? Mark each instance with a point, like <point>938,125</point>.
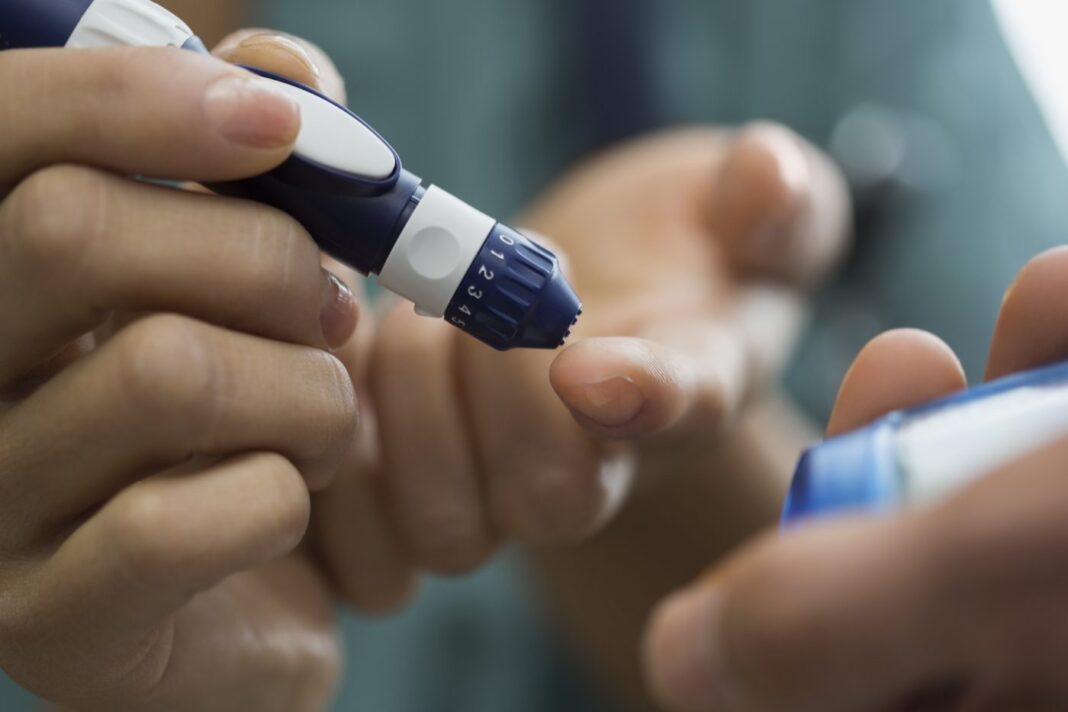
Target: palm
<point>635,227</point>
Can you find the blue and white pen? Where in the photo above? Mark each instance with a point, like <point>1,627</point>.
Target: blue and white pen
<point>918,455</point>
<point>346,185</point>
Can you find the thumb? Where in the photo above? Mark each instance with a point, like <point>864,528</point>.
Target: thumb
<point>285,55</point>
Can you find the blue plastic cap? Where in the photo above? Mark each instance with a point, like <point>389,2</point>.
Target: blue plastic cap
<point>857,471</point>
<point>36,23</point>
<point>514,295</point>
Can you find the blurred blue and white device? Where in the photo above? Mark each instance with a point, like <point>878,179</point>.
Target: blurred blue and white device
<point>345,184</point>
<point>918,455</point>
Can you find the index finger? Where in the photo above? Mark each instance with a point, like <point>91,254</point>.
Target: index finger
<point>161,113</point>
<point>1032,328</point>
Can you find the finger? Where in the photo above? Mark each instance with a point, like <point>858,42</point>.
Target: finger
<point>272,52</point>
<point>290,56</point>
<point>857,630</point>
<point>688,380</point>
<point>896,370</point>
<point>162,390</point>
<point>152,112</point>
<point>545,480</point>
<point>355,540</point>
<point>149,551</point>
<point>1032,329</point>
<point>124,245</point>
<point>780,207</point>
<point>359,548</point>
<point>882,610</point>
<point>431,477</point>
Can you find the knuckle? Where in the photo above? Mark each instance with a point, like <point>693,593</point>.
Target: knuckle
<point>167,374</point>
<point>288,509</point>
<point>281,258</point>
<point>110,72</point>
<point>52,239</point>
<point>134,521</point>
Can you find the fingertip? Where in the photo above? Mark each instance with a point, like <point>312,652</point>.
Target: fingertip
<point>283,54</point>
<point>897,369</point>
<point>1037,299</point>
<point>271,52</point>
<point>762,187</point>
<point>780,206</point>
<point>618,387</point>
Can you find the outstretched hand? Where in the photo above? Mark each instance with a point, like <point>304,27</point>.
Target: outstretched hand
<point>692,250</point>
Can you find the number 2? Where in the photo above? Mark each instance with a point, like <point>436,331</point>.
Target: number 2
<point>488,274</point>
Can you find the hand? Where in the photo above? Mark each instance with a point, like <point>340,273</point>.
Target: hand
<point>675,243</point>
<point>957,605</point>
<point>167,394</point>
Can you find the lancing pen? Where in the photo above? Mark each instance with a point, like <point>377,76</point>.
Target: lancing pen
<point>915,456</point>
<point>345,184</point>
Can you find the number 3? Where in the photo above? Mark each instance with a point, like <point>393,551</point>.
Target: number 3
<point>474,293</point>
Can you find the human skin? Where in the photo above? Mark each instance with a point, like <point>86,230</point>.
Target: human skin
<point>722,231</point>
<point>695,224</point>
<point>958,605</point>
<point>156,473</point>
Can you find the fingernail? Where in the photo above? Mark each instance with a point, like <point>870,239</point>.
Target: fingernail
<point>792,173</point>
<point>764,190</point>
<point>262,50</point>
<point>685,656</point>
<point>338,312</point>
<point>251,112</point>
<point>285,44</point>
<point>609,403</point>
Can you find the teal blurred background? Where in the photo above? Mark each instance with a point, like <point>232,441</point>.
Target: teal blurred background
<point>494,99</point>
